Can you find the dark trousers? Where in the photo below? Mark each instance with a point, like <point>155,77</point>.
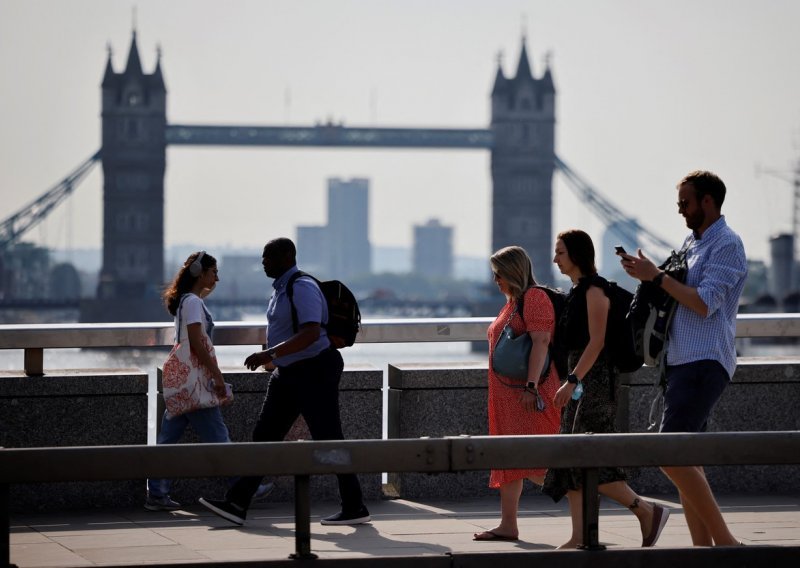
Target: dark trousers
<point>309,388</point>
<point>692,391</point>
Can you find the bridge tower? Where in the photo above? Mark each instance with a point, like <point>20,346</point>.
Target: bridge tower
<point>134,122</point>
<point>523,158</point>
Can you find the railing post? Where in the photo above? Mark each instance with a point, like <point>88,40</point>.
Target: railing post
<point>34,361</point>
<point>302,518</point>
<point>5,526</point>
<point>591,510</point>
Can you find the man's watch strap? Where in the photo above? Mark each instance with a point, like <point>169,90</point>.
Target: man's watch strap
<point>271,352</point>
<point>572,378</point>
<point>659,278</point>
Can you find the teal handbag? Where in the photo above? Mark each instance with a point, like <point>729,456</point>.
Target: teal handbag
<point>511,354</point>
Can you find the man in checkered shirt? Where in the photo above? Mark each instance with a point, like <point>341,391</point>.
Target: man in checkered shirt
<point>701,354</point>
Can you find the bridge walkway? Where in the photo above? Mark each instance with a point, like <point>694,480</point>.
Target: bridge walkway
<point>431,532</point>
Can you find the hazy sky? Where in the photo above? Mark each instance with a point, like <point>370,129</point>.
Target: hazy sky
<point>646,91</point>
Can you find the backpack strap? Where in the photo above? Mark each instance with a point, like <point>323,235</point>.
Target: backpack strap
<point>547,291</point>
<point>290,294</point>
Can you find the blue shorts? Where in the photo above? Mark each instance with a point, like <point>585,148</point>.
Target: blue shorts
<point>692,391</point>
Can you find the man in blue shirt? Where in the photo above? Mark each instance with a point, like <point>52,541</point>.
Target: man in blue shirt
<point>701,355</point>
<point>305,381</point>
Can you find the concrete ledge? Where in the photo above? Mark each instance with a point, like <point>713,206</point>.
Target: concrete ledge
<point>73,408</point>
<point>437,400</point>
<point>360,404</point>
<point>449,399</point>
<point>762,396</point>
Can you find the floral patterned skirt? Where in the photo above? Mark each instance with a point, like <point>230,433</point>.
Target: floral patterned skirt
<point>595,411</point>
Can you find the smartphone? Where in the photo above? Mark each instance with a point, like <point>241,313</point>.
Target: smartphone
<point>619,249</point>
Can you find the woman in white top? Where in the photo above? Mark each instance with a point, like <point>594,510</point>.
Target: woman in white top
<point>183,298</point>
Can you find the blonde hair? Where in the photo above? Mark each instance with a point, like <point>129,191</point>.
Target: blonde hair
<point>514,266</point>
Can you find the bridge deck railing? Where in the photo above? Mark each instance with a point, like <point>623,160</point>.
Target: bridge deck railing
<point>302,459</point>
<point>34,339</point>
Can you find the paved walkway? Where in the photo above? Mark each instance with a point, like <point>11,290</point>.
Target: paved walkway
<point>398,528</point>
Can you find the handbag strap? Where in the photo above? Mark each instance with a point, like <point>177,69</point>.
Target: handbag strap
<point>178,316</point>
<point>518,308</point>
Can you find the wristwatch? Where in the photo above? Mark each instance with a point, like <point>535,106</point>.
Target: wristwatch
<point>271,352</point>
<point>531,385</point>
<point>659,278</point>
<point>573,379</point>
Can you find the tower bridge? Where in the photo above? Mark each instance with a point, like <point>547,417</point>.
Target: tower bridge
<point>135,134</point>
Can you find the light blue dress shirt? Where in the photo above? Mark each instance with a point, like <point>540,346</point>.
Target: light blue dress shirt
<point>311,307</point>
<point>717,268</point>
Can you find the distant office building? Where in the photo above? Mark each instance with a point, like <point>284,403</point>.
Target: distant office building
<point>433,250</point>
<point>349,252</point>
<point>312,250</point>
<point>65,282</point>
<point>781,266</point>
<point>25,272</point>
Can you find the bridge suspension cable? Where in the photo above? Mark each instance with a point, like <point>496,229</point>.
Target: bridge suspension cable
<point>625,226</point>
<point>12,228</point>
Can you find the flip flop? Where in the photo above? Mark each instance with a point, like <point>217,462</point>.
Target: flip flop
<point>491,535</point>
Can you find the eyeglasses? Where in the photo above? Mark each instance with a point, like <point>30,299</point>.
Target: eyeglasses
<point>682,204</point>
<point>496,276</point>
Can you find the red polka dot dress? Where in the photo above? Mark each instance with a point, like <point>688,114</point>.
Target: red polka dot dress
<point>507,415</point>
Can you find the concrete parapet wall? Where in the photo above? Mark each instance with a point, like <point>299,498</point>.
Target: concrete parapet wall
<point>437,400</point>
<point>360,404</point>
<point>450,400</point>
<point>762,396</point>
<point>109,407</point>
<point>74,408</point>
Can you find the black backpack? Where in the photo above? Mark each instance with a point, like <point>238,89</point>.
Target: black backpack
<point>621,341</point>
<point>558,351</point>
<point>652,311</point>
<point>344,317</point>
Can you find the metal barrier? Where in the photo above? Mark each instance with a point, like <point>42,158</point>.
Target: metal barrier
<point>303,459</point>
<point>34,339</point>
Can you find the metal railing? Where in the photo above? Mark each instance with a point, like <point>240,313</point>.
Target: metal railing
<point>587,452</point>
<point>34,339</point>
<point>301,460</point>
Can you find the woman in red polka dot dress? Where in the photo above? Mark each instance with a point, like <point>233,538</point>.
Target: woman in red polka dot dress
<point>512,408</point>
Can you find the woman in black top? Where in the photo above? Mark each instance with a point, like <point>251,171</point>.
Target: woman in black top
<point>587,397</point>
